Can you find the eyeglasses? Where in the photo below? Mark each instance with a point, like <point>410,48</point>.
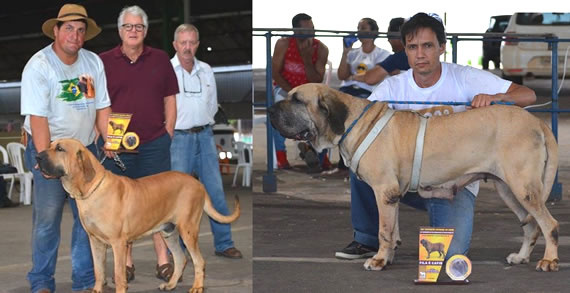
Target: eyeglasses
<point>191,91</point>
<point>129,27</point>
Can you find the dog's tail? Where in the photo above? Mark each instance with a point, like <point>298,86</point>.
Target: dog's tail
<point>551,161</point>
<point>214,214</point>
<point>550,168</point>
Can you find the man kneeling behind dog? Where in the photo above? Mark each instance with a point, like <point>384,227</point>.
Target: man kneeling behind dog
<point>115,210</point>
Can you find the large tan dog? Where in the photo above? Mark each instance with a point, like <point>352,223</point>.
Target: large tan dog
<point>116,210</point>
<point>503,143</point>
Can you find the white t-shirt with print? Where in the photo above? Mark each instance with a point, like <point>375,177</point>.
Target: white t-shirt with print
<point>67,95</point>
<point>457,84</point>
<point>360,62</point>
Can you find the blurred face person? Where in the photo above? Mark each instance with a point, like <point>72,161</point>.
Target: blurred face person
<point>423,52</point>
<point>306,24</point>
<point>364,29</point>
<point>186,44</point>
<point>132,31</point>
<point>69,37</point>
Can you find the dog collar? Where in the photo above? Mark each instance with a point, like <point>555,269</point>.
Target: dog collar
<point>354,122</point>
<point>94,189</point>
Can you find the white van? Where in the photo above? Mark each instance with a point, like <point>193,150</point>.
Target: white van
<point>521,59</point>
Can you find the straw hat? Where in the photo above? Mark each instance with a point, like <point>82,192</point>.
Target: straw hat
<point>69,12</point>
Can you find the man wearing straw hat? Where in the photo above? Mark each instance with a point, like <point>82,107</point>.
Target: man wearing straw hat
<point>64,95</point>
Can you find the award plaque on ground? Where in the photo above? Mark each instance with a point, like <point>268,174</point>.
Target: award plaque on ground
<point>433,245</point>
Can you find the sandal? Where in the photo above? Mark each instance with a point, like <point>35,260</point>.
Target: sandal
<point>130,274</point>
<point>165,271</point>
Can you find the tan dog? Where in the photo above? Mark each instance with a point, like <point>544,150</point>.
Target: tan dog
<point>503,143</point>
<point>433,247</point>
<point>116,210</point>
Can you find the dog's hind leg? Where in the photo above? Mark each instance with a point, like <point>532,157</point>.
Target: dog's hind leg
<point>99,252</point>
<point>189,233</point>
<point>173,244</point>
<point>532,200</point>
<point>531,231</point>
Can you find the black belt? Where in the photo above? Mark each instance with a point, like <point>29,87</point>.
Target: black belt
<point>196,129</point>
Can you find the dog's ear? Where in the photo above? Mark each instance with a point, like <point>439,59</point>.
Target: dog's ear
<point>85,165</point>
<point>334,110</point>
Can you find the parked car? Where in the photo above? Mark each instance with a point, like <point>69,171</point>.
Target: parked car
<point>492,49</point>
<point>521,58</point>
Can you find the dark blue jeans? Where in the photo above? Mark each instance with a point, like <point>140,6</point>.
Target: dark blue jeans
<point>49,199</point>
<point>152,158</point>
<point>456,213</point>
<point>196,152</point>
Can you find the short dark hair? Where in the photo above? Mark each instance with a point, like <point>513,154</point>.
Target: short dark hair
<point>372,23</point>
<point>395,24</point>
<point>300,17</point>
<point>422,20</point>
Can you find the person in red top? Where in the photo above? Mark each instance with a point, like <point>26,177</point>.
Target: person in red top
<point>141,81</point>
<point>296,61</point>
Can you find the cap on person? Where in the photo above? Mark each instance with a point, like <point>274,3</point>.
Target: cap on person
<point>71,12</point>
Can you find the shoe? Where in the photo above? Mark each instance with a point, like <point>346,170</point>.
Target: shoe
<point>308,154</point>
<point>231,252</point>
<point>165,271</point>
<point>356,250</point>
<point>326,164</point>
<point>130,274</point>
<point>44,291</point>
<point>282,162</point>
<point>9,204</point>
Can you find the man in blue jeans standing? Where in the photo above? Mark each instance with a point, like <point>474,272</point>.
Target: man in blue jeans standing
<point>193,148</point>
<point>429,79</point>
<point>64,94</point>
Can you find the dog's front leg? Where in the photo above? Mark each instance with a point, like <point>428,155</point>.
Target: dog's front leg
<point>99,252</point>
<point>120,256</point>
<point>387,200</point>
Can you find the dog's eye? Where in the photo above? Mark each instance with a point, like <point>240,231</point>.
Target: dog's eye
<point>59,148</point>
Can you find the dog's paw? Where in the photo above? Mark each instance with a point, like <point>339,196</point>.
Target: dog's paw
<point>166,287</point>
<point>545,265</point>
<point>373,264</point>
<point>515,259</point>
<point>197,290</point>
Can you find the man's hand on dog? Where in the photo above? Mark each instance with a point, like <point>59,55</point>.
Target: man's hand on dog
<point>484,100</point>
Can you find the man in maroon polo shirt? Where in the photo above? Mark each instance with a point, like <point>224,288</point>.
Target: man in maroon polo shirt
<point>141,81</point>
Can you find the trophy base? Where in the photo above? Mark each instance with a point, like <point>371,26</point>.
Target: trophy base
<point>421,282</point>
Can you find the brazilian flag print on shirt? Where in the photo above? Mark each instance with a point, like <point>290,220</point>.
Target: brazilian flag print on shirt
<point>76,89</point>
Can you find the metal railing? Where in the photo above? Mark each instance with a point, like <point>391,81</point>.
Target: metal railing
<point>269,179</point>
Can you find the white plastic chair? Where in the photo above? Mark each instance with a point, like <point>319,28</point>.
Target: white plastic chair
<point>15,152</point>
<point>245,161</point>
<point>10,177</point>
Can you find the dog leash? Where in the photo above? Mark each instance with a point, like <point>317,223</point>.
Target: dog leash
<point>117,160</point>
<point>445,103</point>
<point>355,121</point>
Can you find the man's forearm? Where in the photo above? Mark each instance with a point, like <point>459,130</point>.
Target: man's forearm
<point>101,120</point>
<point>40,132</point>
<point>311,72</point>
<point>170,113</point>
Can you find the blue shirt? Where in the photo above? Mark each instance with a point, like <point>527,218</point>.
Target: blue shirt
<point>395,61</point>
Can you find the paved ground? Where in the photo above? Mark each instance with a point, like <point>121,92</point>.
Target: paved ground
<point>298,229</point>
<point>222,275</point>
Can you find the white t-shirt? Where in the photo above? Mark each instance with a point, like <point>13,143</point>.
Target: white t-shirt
<point>67,95</point>
<point>457,84</point>
<point>361,62</point>
<point>197,102</point>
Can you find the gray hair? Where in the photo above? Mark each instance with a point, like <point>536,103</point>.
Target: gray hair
<point>133,10</point>
<point>186,27</point>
